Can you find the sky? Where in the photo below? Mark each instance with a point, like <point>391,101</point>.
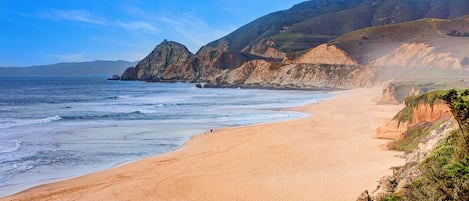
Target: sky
<point>38,32</point>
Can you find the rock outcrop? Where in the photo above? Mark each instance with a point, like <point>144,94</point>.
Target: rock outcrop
<point>392,130</point>
<point>169,61</point>
<point>388,96</point>
<point>364,196</point>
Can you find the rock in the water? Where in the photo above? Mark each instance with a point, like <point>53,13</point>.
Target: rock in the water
<point>114,77</point>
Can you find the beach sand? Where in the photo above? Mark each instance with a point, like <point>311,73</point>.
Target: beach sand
<point>331,155</point>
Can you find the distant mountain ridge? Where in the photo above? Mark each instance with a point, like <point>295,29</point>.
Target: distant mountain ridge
<point>99,67</point>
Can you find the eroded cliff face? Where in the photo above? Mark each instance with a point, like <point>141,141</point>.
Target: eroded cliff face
<point>430,113</point>
<point>422,113</point>
<point>392,130</point>
<point>418,55</point>
<point>413,115</point>
<point>168,61</point>
<point>278,75</point>
<point>323,54</point>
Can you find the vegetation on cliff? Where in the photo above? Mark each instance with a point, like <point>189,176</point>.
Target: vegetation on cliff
<point>417,83</point>
<point>315,22</point>
<point>413,137</point>
<point>411,102</point>
<point>445,171</point>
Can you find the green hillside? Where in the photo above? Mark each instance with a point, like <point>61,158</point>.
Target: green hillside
<point>310,23</point>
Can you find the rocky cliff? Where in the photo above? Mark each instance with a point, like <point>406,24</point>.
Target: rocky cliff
<point>169,61</point>
<point>262,74</point>
<point>414,113</point>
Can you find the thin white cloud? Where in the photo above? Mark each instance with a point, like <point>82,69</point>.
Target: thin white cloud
<point>194,30</point>
<point>86,17</point>
<point>138,26</point>
<point>186,28</point>
<point>168,20</point>
<point>72,15</point>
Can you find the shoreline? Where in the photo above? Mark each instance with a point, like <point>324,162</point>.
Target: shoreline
<point>290,160</point>
<point>150,129</point>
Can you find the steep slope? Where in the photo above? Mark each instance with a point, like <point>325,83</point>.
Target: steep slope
<point>168,61</point>
<point>314,22</point>
<point>421,43</point>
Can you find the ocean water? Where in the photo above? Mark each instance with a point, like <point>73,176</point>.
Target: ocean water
<point>53,128</point>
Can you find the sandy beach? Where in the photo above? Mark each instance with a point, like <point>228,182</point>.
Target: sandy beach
<point>331,155</point>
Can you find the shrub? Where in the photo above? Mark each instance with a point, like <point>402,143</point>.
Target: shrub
<point>445,171</point>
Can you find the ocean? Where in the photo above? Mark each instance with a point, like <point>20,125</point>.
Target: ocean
<point>53,128</point>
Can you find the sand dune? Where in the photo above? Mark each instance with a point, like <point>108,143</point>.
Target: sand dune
<point>331,155</point>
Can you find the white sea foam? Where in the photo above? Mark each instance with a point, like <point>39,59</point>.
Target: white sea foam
<point>11,123</point>
<point>144,111</point>
<point>10,147</point>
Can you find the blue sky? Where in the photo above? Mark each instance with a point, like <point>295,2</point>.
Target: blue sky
<point>36,32</point>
